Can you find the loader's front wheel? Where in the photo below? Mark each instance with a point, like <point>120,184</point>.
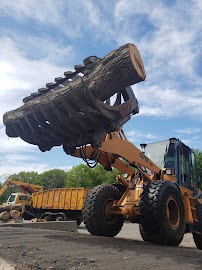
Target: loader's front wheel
<point>198,236</point>
<point>97,214</point>
<point>148,236</point>
<point>162,214</point>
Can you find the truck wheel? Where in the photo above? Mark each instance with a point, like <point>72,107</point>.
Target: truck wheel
<point>78,222</point>
<point>96,212</point>
<point>59,218</point>
<point>198,237</point>
<point>47,218</point>
<point>162,214</point>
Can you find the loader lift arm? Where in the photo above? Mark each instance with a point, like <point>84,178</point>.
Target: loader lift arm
<point>116,151</point>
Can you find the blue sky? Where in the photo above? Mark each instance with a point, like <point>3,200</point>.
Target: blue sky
<point>42,39</point>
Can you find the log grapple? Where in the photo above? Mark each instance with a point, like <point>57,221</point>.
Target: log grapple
<point>82,106</point>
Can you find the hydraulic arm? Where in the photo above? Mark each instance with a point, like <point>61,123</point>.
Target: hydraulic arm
<point>23,187</point>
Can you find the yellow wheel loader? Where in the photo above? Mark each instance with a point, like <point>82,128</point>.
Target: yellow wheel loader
<point>84,112</point>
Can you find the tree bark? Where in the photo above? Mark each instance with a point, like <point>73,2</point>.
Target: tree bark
<point>5,216</point>
<point>11,207</point>
<point>15,214</point>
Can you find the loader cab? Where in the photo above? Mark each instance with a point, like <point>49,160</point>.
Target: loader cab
<point>18,198</point>
<point>175,155</point>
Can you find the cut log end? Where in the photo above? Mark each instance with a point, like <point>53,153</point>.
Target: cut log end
<point>137,62</point>
<point>15,214</point>
<point>5,216</point>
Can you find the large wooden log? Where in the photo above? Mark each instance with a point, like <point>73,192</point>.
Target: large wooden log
<point>15,214</point>
<point>70,114</point>
<point>11,207</point>
<point>5,216</point>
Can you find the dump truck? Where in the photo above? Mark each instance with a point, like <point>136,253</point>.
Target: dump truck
<point>84,112</point>
<point>33,202</point>
<point>57,204</point>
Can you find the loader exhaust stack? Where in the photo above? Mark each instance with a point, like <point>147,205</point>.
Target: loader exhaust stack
<point>82,106</point>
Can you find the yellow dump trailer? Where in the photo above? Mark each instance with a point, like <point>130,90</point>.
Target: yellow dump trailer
<point>61,198</point>
<point>57,204</point>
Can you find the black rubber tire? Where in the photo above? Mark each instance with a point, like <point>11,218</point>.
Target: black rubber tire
<point>198,237</point>
<point>78,222</point>
<point>94,217</point>
<point>47,218</point>
<point>162,214</point>
<point>59,218</point>
<point>143,233</point>
<point>148,236</point>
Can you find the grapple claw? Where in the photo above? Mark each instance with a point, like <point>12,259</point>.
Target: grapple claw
<point>50,85</point>
<point>79,68</point>
<point>43,90</point>
<point>69,74</point>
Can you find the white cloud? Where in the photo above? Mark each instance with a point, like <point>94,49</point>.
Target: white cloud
<point>70,18</point>
<point>9,145</point>
<point>167,37</point>
<point>21,76</point>
<point>138,136</point>
<point>193,142</point>
<point>47,12</point>
<point>42,11</point>
<point>189,130</point>
<point>168,102</point>
<point>13,163</point>
<point>17,166</point>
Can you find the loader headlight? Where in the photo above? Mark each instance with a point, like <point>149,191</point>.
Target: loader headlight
<point>168,171</point>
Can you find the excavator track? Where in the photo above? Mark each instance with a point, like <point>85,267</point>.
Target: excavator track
<point>80,107</point>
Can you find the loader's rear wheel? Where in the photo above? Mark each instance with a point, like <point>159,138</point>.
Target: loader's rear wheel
<point>162,214</point>
<point>198,237</point>
<point>97,211</point>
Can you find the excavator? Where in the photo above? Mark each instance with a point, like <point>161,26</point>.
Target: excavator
<point>84,112</point>
<point>22,197</point>
<point>14,207</point>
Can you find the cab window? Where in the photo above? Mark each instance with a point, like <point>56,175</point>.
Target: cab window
<point>23,198</point>
<point>11,198</point>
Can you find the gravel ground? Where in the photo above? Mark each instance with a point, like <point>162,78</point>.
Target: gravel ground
<point>27,249</point>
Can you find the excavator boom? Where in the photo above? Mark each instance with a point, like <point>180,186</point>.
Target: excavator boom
<point>24,187</point>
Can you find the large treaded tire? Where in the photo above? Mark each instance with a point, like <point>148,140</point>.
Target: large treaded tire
<point>162,214</point>
<point>198,237</point>
<point>96,220</point>
<point>148,236</point>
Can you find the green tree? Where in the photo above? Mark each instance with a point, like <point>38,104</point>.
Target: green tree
<point>199,165</point>
<point>83,176</point>
<point>80,176</point>
<point>52,179</point>
<point>27,177</point>
<point>101,176</point>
